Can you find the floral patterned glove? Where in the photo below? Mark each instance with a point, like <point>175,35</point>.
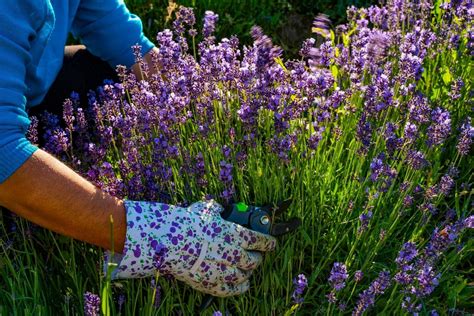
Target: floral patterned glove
<point>193,244</point>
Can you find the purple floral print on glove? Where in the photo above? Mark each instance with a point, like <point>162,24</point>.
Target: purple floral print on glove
<point>193,244</point>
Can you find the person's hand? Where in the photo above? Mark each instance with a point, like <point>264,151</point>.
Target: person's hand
<point>193,244</point>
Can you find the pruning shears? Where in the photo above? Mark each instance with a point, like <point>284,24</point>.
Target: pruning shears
<point>260,219</point>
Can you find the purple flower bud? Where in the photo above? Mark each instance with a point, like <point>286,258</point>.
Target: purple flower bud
<point>445,184</point>
<point>416,160</point>
<point>91,304</point>
<point>367,297</point>
<point>321,25</point>
<point>364,221</point>
<point>33,130</point>
<point>407,254</point>
<point>440,128</point>
<point>465,138</point>
<point>300,284</point>
<point>331,297</point>
<point>210,19</point>
<point>338,276</point>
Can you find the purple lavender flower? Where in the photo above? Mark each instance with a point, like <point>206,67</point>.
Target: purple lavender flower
<point>321,56</point>
<point>376,167</point>
<point>210,19</point>
<point>263,48</point>
<point>300,284</point>
<point>442,240</point>
<point>315,138</point>
<point>342,306</point>
<point>456,87</point>
<point>56,141</point>
<point>364,219</point>
<point>411,132</point>
<point>445,184</point>
<point>410,306</point>
<point>121,300</point>
<point>465,138</point>
<point>226,150</point>
<point>407,253</point>
<point>81,126</point>
<point>225,175</point>
<point>393,143</point>
<point>32,134</point>
<point>157,299</point>
<point>419,109</point>
<point>440,128</point>
<point>469,222</point>
<point>378,43</point>
<point>308,44</point>
<point>364,133</point>
<point>338,276</point>
<point>217,313</point>
<point>184,16</point>
<point>416,271</point>
<point>408,201</point>
<point>91,304</point>
<point>358,275</point>
<point>427,279</point>
<point>68,114</point>
<point>332,297</point>
<point>416,160</point>
<point>321,25</point>
<point>367,297</point>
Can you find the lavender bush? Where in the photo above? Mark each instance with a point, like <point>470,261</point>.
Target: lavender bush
<point>369,132</point>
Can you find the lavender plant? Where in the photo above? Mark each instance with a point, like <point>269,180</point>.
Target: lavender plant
<point>369,132</point>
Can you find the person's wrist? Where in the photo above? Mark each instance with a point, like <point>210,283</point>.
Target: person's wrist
<point>140,246</point>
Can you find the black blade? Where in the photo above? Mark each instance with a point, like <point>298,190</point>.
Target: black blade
<point>283,228</point>
<point>281,207</point>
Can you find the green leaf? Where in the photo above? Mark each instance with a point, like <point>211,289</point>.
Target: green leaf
<point>306,237</point>
<point>447,77</point>
<point>280,63</point>
<point>335,71</point>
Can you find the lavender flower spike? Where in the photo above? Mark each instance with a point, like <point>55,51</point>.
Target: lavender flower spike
<point>91,304</point>
<point>210,19</point>
<point>300,284</point>
<point>338,276</point>
<point>367,298</point>
<point>465,139</point>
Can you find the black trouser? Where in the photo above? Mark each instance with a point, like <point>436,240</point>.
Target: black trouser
<point>81,72</point>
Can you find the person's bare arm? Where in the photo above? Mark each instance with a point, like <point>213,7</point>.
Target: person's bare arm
<point>48,193</point>
<point>147,58</point>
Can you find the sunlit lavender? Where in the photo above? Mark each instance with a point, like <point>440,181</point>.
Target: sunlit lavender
<point>376,114</point>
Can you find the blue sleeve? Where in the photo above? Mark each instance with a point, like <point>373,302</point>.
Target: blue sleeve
<point>16,29</point>
<point>109,30</point>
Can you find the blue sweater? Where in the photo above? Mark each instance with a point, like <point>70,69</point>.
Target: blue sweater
<point>33,34</point>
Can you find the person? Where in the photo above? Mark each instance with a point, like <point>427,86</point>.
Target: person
<point>193,244</point>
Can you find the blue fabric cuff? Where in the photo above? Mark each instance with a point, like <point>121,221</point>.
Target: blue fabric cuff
<point>13,155</point>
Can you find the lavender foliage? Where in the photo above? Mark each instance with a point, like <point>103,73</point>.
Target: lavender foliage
<point>238,122</point>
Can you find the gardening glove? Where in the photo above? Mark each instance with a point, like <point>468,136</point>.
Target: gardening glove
<point>194,245</point>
